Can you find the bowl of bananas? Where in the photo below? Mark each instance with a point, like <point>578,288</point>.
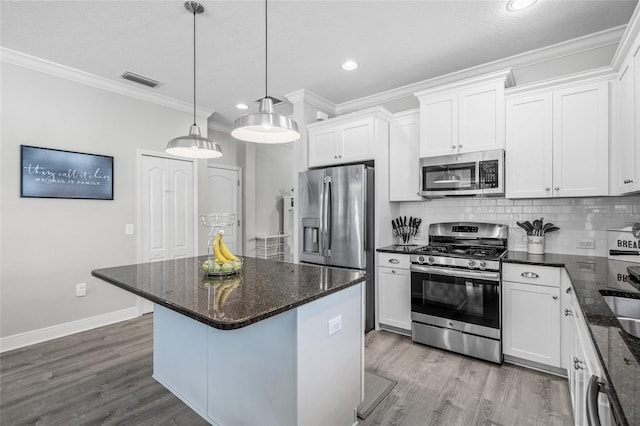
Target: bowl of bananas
<point>221,262</point>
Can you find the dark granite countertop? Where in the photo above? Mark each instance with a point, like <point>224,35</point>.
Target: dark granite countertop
<point>399,248</point>
<point>263,289</point>
<point>619,352</point>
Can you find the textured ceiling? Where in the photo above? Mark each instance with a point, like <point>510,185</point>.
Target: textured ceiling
<point>395,42</point>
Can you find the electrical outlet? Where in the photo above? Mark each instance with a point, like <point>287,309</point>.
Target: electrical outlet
<point>586,244</point>
<point>128,229</point>
<point>335,325</point>
<point>81,289</point>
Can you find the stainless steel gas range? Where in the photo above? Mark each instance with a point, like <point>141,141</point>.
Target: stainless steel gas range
<point>456,289</point>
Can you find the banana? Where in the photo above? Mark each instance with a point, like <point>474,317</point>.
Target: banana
<point>225,250</point>
<point>216,250</point>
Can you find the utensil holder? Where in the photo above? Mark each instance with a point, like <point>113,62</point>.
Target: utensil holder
<point>535,244</point>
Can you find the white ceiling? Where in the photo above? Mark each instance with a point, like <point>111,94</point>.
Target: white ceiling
<point>395,42</point>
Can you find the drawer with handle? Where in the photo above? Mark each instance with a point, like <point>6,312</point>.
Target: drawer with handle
<point>394,260</point>
<point>531,274</point>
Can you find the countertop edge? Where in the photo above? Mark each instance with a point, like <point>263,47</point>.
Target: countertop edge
<point>226,325</point>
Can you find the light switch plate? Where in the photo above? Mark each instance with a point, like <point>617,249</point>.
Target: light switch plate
<point>81,289</point>
<point>128,229</point>
<point>586,244</point>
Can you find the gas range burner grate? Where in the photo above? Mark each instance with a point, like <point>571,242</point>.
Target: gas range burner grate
<point>481,251</point>
<point>434,249</point>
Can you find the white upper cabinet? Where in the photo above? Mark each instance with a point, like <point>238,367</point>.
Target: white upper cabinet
<point>557,143</point>
<point>344,143</point>
<point>462,117</point>
<point>404,153</point>
<point>625,173</point>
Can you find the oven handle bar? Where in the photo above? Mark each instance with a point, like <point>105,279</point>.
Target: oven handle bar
<point>485,275</point>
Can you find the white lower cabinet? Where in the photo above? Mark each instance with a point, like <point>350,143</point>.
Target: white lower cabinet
<point>583,363</point>
<point>531,314</point>
<point>394,292</point>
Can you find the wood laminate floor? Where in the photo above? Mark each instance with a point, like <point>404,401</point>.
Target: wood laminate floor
<point>103,377</point>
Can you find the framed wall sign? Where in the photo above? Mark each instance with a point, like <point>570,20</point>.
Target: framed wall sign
<point>53,173</point>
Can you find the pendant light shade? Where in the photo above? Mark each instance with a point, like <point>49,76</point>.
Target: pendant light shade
<point>194,145</point>
<point>265,126</point>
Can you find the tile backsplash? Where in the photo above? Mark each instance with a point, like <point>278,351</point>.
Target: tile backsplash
<point>579,219</point>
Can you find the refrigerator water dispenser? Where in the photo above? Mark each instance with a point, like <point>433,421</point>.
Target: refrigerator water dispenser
<point>311,235</point>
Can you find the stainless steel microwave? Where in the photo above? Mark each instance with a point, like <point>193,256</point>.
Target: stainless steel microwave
<point>473,174</point>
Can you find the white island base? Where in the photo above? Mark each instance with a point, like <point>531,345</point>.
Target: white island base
<point>283,370</point>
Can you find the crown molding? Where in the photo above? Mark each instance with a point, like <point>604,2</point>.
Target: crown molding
<point>376,112</point>
<point>545,54</point>
<point>504,76</point>
<point>20,59</point>
<point>311,98</point>
<point>220,127</point>
<point>586,77</point>
<point>628,39</point>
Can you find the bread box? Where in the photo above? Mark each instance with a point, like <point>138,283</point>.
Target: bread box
<point>624,244</point>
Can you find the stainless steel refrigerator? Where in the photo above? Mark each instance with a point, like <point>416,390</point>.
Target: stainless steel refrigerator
<point>336,222</point>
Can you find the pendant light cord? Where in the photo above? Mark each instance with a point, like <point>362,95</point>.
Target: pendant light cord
<point>194,66</point>
<point>266,47</point>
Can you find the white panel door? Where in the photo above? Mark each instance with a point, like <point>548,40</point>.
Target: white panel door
<point>223,197</point>
<point>394,292</point>
<point>529,162</point>
<point>154,186</point>
<point>180,196</point>
<point>358,141</point>
<point>581,141</point>
<point>323,147</point>
<point>166,211</point>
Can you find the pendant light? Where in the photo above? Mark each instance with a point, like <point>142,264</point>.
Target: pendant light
<point>194,145</point>
<point>265,126</point>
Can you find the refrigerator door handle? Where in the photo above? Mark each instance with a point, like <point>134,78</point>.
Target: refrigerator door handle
<point>329,217</point>
<point>324,211</point>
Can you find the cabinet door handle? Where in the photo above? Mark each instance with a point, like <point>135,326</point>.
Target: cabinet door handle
<point>568,290</point>
<point>557,188</point>
<point>568,313</point>
<point>554,297</point>
<point>393,271</point>
<point>453,147</point>
<point>547,189</point>
<point>459,146</point>
<point>394,261</point>
<point>577,364</point>
<point>530,275</point>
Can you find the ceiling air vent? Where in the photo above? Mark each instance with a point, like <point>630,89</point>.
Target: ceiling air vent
<point>137,78</point>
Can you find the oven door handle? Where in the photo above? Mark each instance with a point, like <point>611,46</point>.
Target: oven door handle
<point>485,275</point>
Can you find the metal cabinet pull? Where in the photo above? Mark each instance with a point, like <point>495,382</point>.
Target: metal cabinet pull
<point>557,188</point>
<point>568,312</point>
<point>568,290</point>
<point>530,275</point>
<point>393,271</point>
<point>394,261</point>
<point>555,297</point>
<point>577,364</point>
<point>547,189</point>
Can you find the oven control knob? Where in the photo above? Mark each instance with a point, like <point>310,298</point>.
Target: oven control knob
<point>472,263</point>
<point>430,260</point>
<point>420,259</point>
<point>483,264</point>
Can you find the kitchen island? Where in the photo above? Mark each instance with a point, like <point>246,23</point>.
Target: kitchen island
<point>279,343</point>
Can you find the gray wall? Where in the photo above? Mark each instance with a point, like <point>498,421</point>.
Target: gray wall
<point>49,245</point>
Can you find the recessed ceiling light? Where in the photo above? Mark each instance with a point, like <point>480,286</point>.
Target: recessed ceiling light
<point>349,65</point>
<point>515,5</point>
<point>242,106</point>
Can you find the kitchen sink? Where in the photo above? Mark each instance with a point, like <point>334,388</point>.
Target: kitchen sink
<point>627,310</point>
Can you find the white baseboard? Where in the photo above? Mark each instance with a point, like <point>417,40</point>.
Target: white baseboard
<point>42,335</point>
